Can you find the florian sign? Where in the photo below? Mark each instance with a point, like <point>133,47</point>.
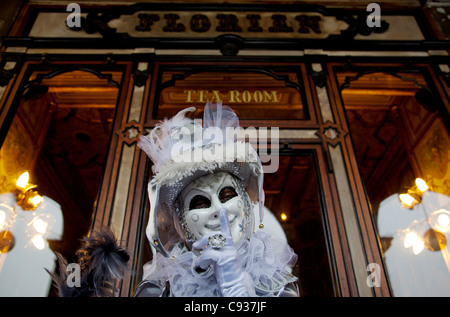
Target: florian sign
<point>229,28</point>
<point>254,24</point>
<point>145,20</point>
<point>285,24</point>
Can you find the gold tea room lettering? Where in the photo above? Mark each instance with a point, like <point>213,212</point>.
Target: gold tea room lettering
<point>232,96</point>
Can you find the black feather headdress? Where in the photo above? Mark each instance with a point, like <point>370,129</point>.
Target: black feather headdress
<point>101,262</point>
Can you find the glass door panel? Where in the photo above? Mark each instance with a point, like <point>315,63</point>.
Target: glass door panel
<point>293,197</point>
<point>60,135</point>
<point>398,136</point>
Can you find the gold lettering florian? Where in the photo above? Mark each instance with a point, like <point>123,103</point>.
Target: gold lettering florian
<point>201,23</point>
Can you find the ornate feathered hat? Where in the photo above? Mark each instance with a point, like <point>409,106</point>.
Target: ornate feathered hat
<point>183,149</point>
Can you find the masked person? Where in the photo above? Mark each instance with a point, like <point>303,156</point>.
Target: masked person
<point>205,189</point>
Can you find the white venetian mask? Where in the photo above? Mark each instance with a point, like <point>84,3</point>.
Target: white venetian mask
<point>203,198</point>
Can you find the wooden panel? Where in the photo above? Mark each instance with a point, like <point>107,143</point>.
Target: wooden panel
<point>252,95</point>
<point>433,156</point>
<point>381,80</point>
<point>357,194</point>
<point>416,119</point>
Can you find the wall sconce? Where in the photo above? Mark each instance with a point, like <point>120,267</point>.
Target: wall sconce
<point>433,239</point>
<point>413,240</point>
<point>27,223</point>
<point>26,197</point>
<point>414,194</point>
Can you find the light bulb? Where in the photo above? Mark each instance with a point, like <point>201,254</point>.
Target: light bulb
<point>407,200</point>
<point>36,200</point>
<point>40,226</point>
<point>283,216</point>
<point>421,185</point>
<point>418,246</point>
<point>443,220</point>
<point>2,218</point>
<point>410,239</point>
<point>22,181</point>
<point>38,242</point>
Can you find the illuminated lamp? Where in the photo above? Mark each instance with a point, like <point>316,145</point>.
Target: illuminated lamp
<point>26,197</point>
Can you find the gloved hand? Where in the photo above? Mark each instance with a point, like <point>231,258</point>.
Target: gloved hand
<point>232,280</point>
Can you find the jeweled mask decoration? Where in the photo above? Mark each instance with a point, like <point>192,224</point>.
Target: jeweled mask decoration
<point>202,200</point>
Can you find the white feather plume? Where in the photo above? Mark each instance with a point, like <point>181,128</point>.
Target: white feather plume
<point>158,143</point>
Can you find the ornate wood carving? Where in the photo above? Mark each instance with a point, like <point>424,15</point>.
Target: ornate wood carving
<point>140,77</point>
<point>130,132</point>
